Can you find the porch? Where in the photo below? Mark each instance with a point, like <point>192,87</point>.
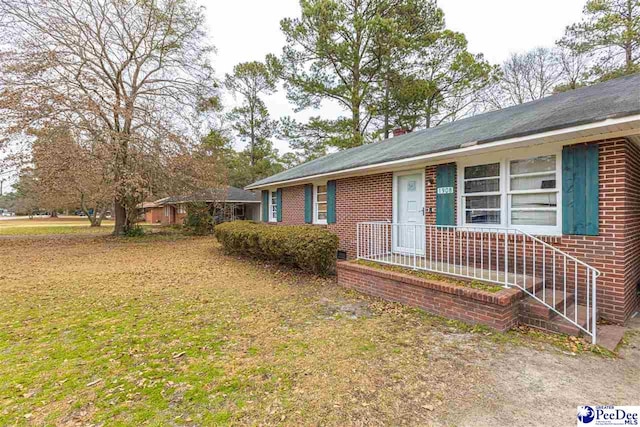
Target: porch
<point>559,291</point>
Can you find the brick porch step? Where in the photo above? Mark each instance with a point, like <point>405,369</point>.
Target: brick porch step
<point>535,314</point>
<point>609,336</point>
<point>535,309</point>
<point>526,280</point>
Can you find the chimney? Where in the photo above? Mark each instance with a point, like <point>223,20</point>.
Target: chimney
<point>400,131</point>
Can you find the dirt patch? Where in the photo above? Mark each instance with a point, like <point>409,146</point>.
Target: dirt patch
<point>352,310</point>
<point>533,387</point>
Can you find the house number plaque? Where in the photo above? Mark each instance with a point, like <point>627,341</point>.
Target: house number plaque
<point>445,190</point>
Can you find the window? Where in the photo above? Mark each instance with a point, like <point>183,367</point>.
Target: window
<point>273,206</point>
<point>481,194</point>
<point>320,204</point>
<point>520,192</point>
<point>533,191</point>
<point>238,211</point>
<point>167,211</point>
<point>182,209</point>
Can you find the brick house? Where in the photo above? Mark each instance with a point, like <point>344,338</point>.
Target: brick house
<point>229,204</point>
<point>542,198</point>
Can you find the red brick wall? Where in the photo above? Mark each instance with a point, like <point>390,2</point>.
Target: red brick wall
<point>153,215</point>
<point>606,252</point>
<point>293,205</point>
<point>180,218</point>
<point>632,229</point>
<point>167,219</point>
<point>615,251</point>
<point>498,310</point>
<point>157,216</point>
<point>430,195</point>
<point>361,199</point>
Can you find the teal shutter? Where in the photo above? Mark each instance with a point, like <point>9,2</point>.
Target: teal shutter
<point>445,194</point>
<point>279,204</point>
<point>308,203</point>
<point>265,206</point>
<point>580,190</point>
<point>331,202</point>
<point>593,190</point>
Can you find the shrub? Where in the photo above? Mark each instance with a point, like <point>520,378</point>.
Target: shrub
<point>199,220</point>
<point>307,247</point>
<point>135,231</point>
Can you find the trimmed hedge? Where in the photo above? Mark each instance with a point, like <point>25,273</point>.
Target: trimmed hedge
<point>307,247</point>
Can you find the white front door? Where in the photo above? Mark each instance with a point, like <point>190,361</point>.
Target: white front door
<point>409,232</point>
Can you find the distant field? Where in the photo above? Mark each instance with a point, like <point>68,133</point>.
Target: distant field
<point>62,225</point>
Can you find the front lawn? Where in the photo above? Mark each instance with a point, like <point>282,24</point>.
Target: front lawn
<point>50,226</point>
<point>60,226</point>
<point>165,330</point>
<point>170,331</point>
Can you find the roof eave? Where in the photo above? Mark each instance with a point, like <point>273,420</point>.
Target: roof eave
<point>570,133</point>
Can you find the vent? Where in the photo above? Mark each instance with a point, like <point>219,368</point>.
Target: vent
<point>342,255</point>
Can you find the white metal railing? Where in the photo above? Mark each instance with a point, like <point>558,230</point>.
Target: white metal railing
<point>508,257</point>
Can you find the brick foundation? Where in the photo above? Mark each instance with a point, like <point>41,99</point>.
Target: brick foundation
<point>497,310</point>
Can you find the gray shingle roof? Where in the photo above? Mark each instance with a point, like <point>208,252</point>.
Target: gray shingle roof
<point>232,194</point>
<point>614,98</point>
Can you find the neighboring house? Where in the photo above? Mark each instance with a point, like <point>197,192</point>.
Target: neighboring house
<point>150,212</point>
<point>229,204</point>
<point>543,194</point>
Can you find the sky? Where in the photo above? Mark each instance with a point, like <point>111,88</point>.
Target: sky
<point>247,30</point>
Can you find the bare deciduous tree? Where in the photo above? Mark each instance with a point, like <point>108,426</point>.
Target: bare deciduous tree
<point>574,66</point>
<point>128,76</point>
<point>69,175</point>
<point>526,77</point>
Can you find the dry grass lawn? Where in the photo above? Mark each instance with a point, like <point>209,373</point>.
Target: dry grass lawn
<point>24,226</point>
<point>166,330</point>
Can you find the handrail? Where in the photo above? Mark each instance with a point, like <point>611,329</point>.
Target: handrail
<point>489,229</point>
<point>521,260</point>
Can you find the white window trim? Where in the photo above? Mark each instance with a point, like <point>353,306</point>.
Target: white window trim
<point>481,194</point>
<point>316,220</point>
<point>273,203</point>
<point>505,193</point>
